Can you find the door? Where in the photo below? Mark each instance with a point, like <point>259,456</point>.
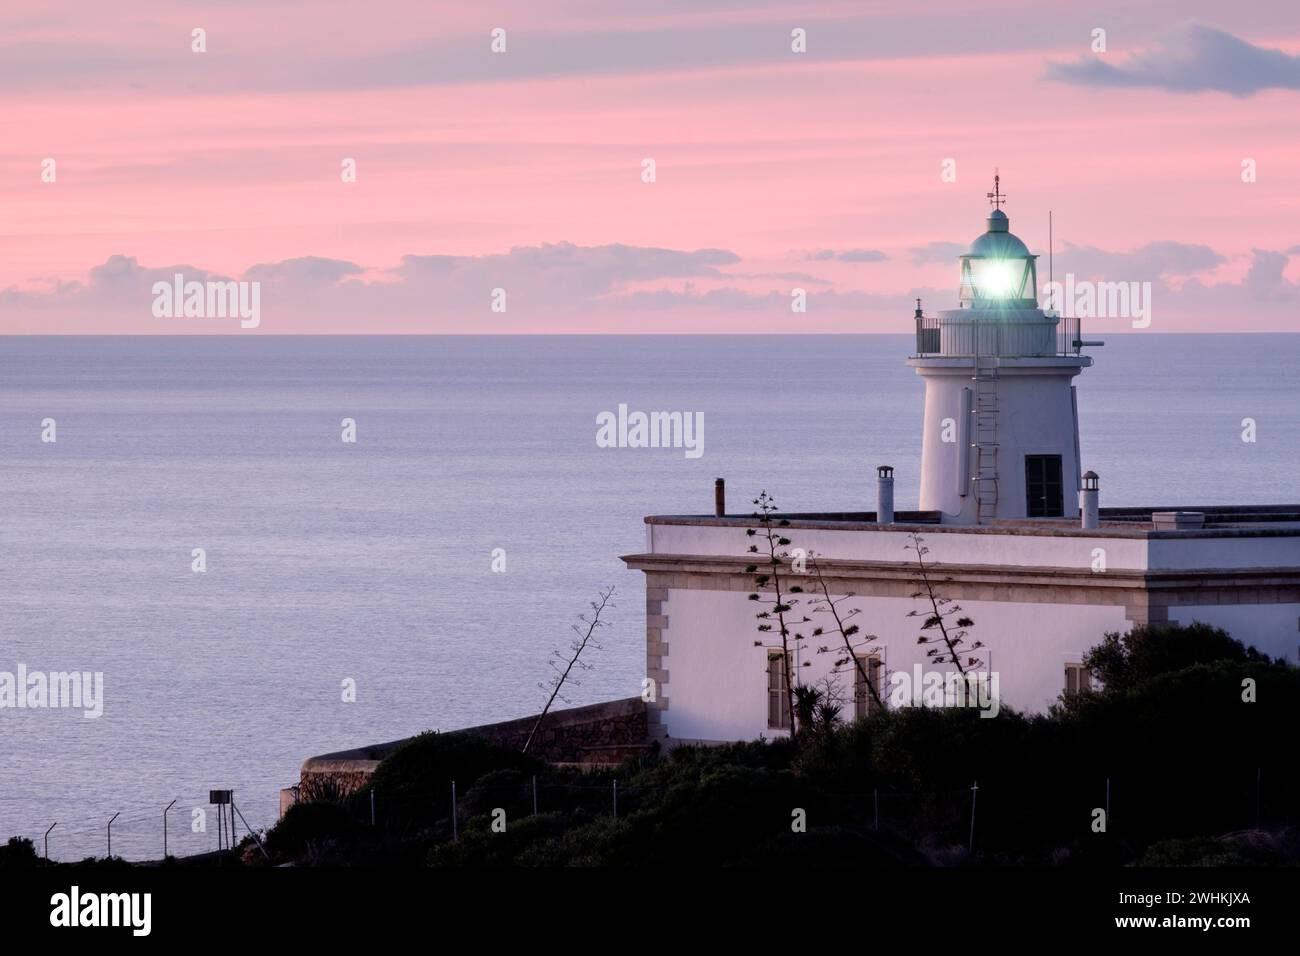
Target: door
<point>1043,492</point>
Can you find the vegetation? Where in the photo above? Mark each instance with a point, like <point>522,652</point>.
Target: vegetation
<point>776,596</point>
<point>566,665</point>
<point>1196,775</point>
<point>1187,748</point>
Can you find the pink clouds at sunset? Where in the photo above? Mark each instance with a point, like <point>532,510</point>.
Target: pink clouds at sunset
<point>522,170</point>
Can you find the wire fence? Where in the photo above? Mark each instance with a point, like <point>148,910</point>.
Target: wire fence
<point>984,816</point>
<point>182,826</point>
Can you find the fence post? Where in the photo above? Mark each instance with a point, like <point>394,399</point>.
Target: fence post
<point>47,840</point>
<point>251,832</point>
<point>534,795</point>
<point>372,806</point>
<point>616,799</point>
<point>110,833</point>
<point>165,809</point>
<point>233,834</point>
<point>974,792</point>
<point>1259,784</point>
<point>455,832</point>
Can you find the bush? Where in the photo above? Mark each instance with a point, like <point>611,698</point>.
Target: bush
<point>311,829</point>
<point>835,847</point>
<point>414,781</point>
<point>1123,661</point>
<point>509,790</point>
<point>18,853</point>
<point>480,846</point>
<point>1200,851</point>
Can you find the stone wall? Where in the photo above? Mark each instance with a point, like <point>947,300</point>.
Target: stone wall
<point>595,735</point>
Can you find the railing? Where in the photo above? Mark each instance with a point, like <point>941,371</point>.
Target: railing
<point>1068,335</point>
<point>927,335</point>
<point>963,337</point>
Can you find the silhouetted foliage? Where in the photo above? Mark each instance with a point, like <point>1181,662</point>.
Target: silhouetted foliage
<point>1122,661</point>
<point>18,853</point>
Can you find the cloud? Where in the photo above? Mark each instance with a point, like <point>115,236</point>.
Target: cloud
<point>268,49</point>
<point>309,269</point>
<point>933,252</point>
<point>1192,59</point>
<point>553,275</point>
<point>1155,260</point>
<point>540,282</point>
<point>119,281</point>
<point>1265,281</point>
<point>562,287</point>
<point>845,255</point>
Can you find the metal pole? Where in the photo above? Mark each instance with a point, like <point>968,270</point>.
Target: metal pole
<point>169,806</point>
<point>534,796</point>
<point>615,799</point>
<point>372,806</point>
<point>47,839</point>
<point>251,831</point>
<point>974,792</point>
<point>110,833</point>
<point>455,833</point>
<point>232,821</point>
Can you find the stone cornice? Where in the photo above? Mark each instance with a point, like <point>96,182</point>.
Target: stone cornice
<point>723,567</point>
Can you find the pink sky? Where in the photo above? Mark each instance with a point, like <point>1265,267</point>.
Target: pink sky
<point>522,170</point>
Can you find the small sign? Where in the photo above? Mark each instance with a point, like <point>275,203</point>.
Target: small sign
<point>220,796</point>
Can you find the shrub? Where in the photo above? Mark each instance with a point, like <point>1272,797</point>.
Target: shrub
<point>310,829</point>
<point>1123,661</point>
<point>414,782</point>
<point>18,853</point>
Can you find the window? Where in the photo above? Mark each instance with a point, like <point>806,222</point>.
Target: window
<point>1077,680</point>
<point>778,696</point>
<point>1043,486</point>
<point>863,702</point>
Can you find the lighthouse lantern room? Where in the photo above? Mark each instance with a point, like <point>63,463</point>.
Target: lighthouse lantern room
<point>1001,427</point>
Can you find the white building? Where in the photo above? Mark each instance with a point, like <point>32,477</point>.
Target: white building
<point>1014,537</point>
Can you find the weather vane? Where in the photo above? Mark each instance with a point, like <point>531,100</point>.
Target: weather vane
<point>996,199</point>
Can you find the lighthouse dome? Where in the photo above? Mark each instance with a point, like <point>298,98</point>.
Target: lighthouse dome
<point>999,242</point>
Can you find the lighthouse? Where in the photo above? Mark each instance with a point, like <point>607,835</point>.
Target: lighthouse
<point>1016,534</point>
<point>1001,425</point>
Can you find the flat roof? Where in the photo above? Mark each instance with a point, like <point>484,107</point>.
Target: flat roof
<point>1125,522</point>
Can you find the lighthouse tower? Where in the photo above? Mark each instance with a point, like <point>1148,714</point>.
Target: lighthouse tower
<point>1001,426</point>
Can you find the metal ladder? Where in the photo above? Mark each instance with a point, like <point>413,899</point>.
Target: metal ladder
<point>984,438</point>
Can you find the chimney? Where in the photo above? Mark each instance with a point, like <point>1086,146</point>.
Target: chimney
<point>885,494</point>
<point>1088,506</point>
<point>719,497</point>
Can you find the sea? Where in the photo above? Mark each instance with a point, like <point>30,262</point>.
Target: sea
<point>431,568</point>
